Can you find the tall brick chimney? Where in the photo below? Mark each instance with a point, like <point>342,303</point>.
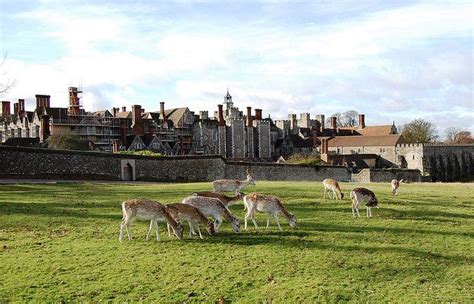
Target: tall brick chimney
<point>249,117</point>
<point>221,115</point>
<point>314,137</point>
<point>137,125</point>
<point>43,102</point>
<point>334,123</point>
<point>162,110</point>
<point>124,109</point>
<point>361,121</point>
<point>115,111</point>
<point>258,114</point>
<point>45,131</point>
<point>6,108</point>
<point>21,108</point>
<point>15,109</point>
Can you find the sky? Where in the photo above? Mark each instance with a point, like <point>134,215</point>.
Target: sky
<point>391,60</point>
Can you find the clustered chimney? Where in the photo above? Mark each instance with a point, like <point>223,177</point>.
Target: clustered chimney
<point>203,115</point>
<point>249,117</point>
<point>162,110</point>
<point>15,109</point>
<point>361,121</point>
<point>137,126</point>
<point>115,111</point>
<point>6,108</point>
<point>42,102</point>
<point>21,107</point>
<point>221,115</point>
<point>258,114</point>
<point>334,123</point>
<point>124,109</point>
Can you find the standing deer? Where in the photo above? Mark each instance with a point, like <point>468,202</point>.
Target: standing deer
<point>395,185</point>
<point>361,195</point>
<point>268,204</point>
<point>332,185</point>
<point>232,185</point>
<point>226,200</point>
<point>213,207</point>
<point>194,217</point>
<point>147,210</point>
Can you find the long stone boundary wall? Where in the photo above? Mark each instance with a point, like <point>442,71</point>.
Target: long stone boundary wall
<point>386,175</point>
<point>26,163</point>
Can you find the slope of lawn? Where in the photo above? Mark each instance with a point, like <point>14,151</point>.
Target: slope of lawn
<point>59,242</point>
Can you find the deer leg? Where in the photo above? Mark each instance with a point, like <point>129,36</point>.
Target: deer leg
<point>253,219</point>
<point>168,229</point>
<point>149,230</point>
<point>120,230</point>
<point>191,229</point>
<point>199,231</point>
<point>275,215</point>
<point>268,220</point>
<point>156,230</point>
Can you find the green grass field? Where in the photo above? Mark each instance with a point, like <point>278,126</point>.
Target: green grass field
<point>59,242</point>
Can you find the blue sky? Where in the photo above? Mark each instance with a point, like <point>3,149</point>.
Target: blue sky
<point>392,60</point>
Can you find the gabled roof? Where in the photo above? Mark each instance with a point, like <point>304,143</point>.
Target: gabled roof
<point>359,141</point>
<point>103,113</point>
<point>378,130</point>
<point>127,114</point>
<point>175,115</point>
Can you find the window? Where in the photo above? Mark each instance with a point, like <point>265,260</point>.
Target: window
<point>413,156</point>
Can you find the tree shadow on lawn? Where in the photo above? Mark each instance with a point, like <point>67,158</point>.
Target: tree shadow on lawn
<point>80,210</point>
<point>287,239</point>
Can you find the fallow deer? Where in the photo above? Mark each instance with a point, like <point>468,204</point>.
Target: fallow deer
<point>213,207</point>
<point>194,217</point>
<point>147,210</point>
<point>363,195</point>
<point>232,185</point>
<point>267,204</point>
<point>226,200</point>
<point>395,185</point>
<point>332,185</point>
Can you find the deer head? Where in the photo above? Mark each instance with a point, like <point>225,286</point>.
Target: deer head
<point>250,178</point>
<point>179,231</point>
<point>235,224</point>
<point>210,228</point>
<point>292,221</point>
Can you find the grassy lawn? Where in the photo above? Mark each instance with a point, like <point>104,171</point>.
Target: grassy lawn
<point>59,242</point>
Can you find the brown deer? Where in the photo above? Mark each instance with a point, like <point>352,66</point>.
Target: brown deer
<point>147,210</point>
<point>194,217</point>
<point>232,185</point>
<point>361,195</point>
<point>268,204</point>
<point>226,200</point>
<point>213,207</point>
<point>395,185</point>
<point>332,185</point>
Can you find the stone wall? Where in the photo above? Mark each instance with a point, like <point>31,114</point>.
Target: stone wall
<point>54,164</point>
<point>386,175</point>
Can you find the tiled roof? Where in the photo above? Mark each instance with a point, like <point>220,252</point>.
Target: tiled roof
<point>377,130</point>
<point>124,114</point>
<point>359,141</point>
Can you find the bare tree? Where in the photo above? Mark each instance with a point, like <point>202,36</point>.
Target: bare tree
<point>6,84</point>
<point>457,136</point>
<point>419,131</point>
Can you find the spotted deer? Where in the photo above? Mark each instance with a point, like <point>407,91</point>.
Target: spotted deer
<point>395,185</point>
<point>332,185</point>
<point>267,204</point>
<point>210,206</point>
<point>232,185</point>
<point>226,200</point>
<point>147,210</point>
<point>194,217</point>
<point>363,195</point>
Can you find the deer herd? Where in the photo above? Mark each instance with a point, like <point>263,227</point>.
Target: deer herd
<point>197,208</point>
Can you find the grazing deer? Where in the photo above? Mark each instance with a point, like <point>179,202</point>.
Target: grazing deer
<point>268,204</point>
<point>361,195</point>
<point>147,210</point>
<point>226,200</point>
<point>332,185</point>
<point>194,217</point>
<point>232,185</point>
<point>395,185</point>
<point>213,207</point>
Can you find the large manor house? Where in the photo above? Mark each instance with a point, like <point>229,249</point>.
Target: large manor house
<point>231,133</point>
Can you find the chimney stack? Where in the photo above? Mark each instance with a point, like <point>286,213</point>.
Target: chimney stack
<point>124,109</point>
<point>6,108</point>
<point>15,109</point>
<point>115,111</point>
<point>315,137</point>
<point>45,132</point>
<point>21,107</point>
<point>249,117</point>
<point>203,115</point>
<point>43,102</point>
<point>361,121</point>
<point>334,123</point>
<point>324,146</point>
<point>137,126</point>
<point>221,115</point>
<point>258,114</point>
<point>162,110</point>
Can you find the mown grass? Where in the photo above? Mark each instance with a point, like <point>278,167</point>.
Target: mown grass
<point>58,242</point>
